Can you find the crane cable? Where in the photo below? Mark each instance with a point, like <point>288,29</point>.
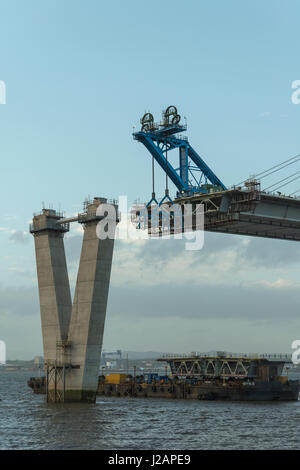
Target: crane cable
<point>167,189</point>
<point>284,166</point>
<point>297,177</point>
<point>153,185</point>
<point>279,164</point>
<point>280,181</point>
<point>295,192</point>
<point>275,168</point>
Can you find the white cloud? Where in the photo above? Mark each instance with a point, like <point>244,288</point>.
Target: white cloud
<point>278,284</point>
<point>18,236</point>
<point>265,114</point>
<point>229,295</point>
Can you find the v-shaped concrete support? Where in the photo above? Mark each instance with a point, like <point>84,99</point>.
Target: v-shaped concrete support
<point>72,336</point>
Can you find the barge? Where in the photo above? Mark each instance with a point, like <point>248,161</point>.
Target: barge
<point>219,376</point>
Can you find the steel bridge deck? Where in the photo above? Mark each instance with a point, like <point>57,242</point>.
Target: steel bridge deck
<point>252,213</point>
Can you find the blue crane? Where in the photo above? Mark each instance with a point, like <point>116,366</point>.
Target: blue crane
<point>193,173</point>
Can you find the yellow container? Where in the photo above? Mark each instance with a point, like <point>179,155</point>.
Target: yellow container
<point>283,379</point>
<point>115,378</point>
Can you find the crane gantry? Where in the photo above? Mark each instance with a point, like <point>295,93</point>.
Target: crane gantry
<point>192,174</point>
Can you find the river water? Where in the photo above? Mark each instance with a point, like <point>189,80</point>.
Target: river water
<point>27,422</point>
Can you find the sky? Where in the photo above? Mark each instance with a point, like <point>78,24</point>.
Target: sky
<point>79,75</point>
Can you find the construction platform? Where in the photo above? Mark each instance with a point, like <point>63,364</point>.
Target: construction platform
<point>249,212</point>
<point>240,211</point>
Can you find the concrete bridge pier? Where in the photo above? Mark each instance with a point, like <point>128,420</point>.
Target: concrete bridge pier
<point>72,336</point>
<point>54,290</point>
<point>89,310</point>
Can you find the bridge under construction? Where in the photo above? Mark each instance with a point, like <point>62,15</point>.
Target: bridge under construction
<point>244,209</point>
<point>73,333</point>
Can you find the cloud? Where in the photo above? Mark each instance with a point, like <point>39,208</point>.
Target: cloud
<point>20,325</point>
<point>248,302</point>
<point>224,260</point>
<point>16,236</point>
<point>236,293</point>
<point>278,284</point>
<point>265,114</point>
<point>20,301</point>
<point>19,237</point>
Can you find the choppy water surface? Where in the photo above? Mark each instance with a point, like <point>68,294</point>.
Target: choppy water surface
<point>27,422</point>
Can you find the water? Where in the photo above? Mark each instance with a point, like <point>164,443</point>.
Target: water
<point>27,422</point>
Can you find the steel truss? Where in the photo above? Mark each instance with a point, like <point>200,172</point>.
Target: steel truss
<point>193,174</point>
<point>211,367</point>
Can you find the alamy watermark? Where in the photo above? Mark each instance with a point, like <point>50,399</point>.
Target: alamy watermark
<point>2,92</point>
<point>142,222</point>
<point>2,353</point>
<point>296,354</point>
<point>295,97</point>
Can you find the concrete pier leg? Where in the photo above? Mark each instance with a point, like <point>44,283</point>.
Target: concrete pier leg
<point>55,296</point>
<point>89,311</point>
<point>53,281</point>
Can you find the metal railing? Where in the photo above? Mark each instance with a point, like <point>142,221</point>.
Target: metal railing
<point>222,355</point>
<point>53,212</point>
<point>48,225</point>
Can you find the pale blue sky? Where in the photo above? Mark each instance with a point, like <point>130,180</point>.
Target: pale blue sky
<point>80,74</point>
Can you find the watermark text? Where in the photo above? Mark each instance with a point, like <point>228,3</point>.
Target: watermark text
<point>2,92</point>
<point>2,352</point>
<point>142,222</point>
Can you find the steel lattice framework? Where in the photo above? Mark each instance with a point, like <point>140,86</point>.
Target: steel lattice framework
<point>193,174</point>
<point>223,364</point>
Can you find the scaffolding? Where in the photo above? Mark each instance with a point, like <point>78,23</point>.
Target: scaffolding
<point>56,372</point>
